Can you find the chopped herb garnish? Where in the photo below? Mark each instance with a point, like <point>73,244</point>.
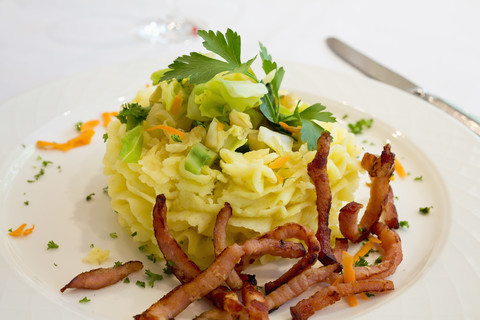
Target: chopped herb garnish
<point>152,257</point>
<point>140,283</point>
<point>105,189</point>
<point>152,277</point>
<point>132,114</point>
<point>105,137</point>
<point>117,264</point>
<point>361,262</point>
<point>404,224</point>
<point>92,245</point>
<point>78,125</point>
<point>425,210</point>
<point>419,178</point>
<point>26,203</point>
<point>55,265</point>
<point>113,235</point>
<point>378,260</point>
<point>134,234</point>
<point>168,267</point>
<point>37,176</point>
<point>45,163</point>
<point>176,138</point>
<point>126,280</point>
<point>369,294</point>
<point>84,300</point>
<point>357,127</point>
<point>52,245</point>
<point>10,230</point>
<point>90,196</point>
<point>143,247</point>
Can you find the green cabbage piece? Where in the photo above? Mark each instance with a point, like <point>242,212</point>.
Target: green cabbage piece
<point>132,143</point>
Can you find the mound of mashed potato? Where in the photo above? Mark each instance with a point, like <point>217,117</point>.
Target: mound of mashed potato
<point>264,193</point>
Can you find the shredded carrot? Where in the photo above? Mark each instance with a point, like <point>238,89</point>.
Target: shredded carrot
<point>168,129</point>
<point>399,169</point>
<point>107,117</point>
<point>365,248</point>
<point>280,178</point>
<point>290,128</point>
<point>278,163</point>
<point>28,231</point>
<point>89,125</point>
<point>83,139</point>
<point>349,275</point>
<point>177,103</point>
<point>220,126</point>
<point>18,232</point>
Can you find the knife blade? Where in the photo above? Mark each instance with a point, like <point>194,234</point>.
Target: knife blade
<point>379,72</point>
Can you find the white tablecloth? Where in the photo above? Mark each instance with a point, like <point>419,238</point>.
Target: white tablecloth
<point>433,43</point>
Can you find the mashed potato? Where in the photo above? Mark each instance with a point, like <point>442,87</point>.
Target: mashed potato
<point>261,197</point>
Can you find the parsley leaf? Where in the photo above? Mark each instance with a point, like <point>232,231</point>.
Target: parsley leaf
<point>52,245</point>
<point>200,68</point>
<point>153,277</point>
<point>357,127</point>
<point>311,130</point>
<point>132,114</point>
<point>84,300</point>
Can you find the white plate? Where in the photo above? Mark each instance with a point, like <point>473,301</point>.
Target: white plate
<point>438,278</point>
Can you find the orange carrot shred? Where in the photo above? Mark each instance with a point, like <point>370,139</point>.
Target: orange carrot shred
<point>18,232</point>
<point>278,163</point>
<point>349,275</point>
<point>363,295</point>
<point>82,139</point>
<point>366,248</point>
<point>220,126</point>
<point>290,128</point>
<point>107,117</point>
<point>28,231</point>
<point>168,129</point>
<point>89,125</point>
<point>176,104</point>
<point>399,169</point>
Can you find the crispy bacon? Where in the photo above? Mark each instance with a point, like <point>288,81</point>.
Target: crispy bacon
<point>255,303</point>
<point>293,230</point>
<point>299,284</point>
<point>183,295</point>
<point>103,277</point>
<point>182,267</point>
<point>347,220</point>
<point>392,254</point>
<point>389,211</point>
<point>220,242</point>
<point>341,244</point>
<point>331,294</point>
<point>317,170</point>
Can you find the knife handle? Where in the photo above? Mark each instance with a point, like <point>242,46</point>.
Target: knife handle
<point>461,116</point>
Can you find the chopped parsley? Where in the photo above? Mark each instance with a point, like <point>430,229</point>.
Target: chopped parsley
<point>105,137</point>
<point>152,277</point>
<point>140,283</point>
<point>357,127</point>
<point>84,300</point>
<point>117,264</point>
<point>132,114</point>
<point>37,176</point>
<point>78,125</point>
<point>425,210</point>
<point>52,245</point>
<point>105,189</point>
<point>378,260</point>
<point>403,224</point>
<point>176,138</point>
<point>143,248</point>
<point>126,280</point>
<point>26,203</point>
<point>361,262</point>
<point>113,235</point>
<point>168,267</point>
<point>134,234</point>
<point>90,196</point>
<point>419,178</point>
<point>152,257</point>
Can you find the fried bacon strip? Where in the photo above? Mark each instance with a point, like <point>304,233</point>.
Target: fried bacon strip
<point>255,303</point>
<point>347,220</point>
<point>103,277</point>
<point>183,295</point>
<point>380,169</point>
<point>182,267</point>
<point>298,231</point>
<point>299,284</point>
<point>317,170</point>
<point>389,211</point>
<point>331,294</point>
<point>392,254</point>
<point>220,242</point>
<point>341,244</point>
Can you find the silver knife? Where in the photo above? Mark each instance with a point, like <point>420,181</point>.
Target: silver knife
<point>377,71</point>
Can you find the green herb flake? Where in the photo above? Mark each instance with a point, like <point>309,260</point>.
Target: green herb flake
<point>105,190</point>
<point>105,137</point>
<point>378,260</point>
<point>26,203</point>
<point>84,300</point>
<point>153,277</point>
<point>404,224</point>
<point>168,267</point>
<point>126,280</point>
<point>117,264</point>
<point>425,210</point>
<point>134,234</point>
<point>78,125</point>
<point>140,283</point>
<point>132,114</point>
<point>10,230</point>
<point>176,138</point>
<point>357,127</point>
<point>113,235</point>
<point>419,178</point>
<point>361,262</point>
<point>90,196</point>
<point>52,245</point>
<point>143,248</point>
<point>152,257</point>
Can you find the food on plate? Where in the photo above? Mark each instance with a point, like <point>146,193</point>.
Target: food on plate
<point>103,277</point>
<point>209,132</point>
